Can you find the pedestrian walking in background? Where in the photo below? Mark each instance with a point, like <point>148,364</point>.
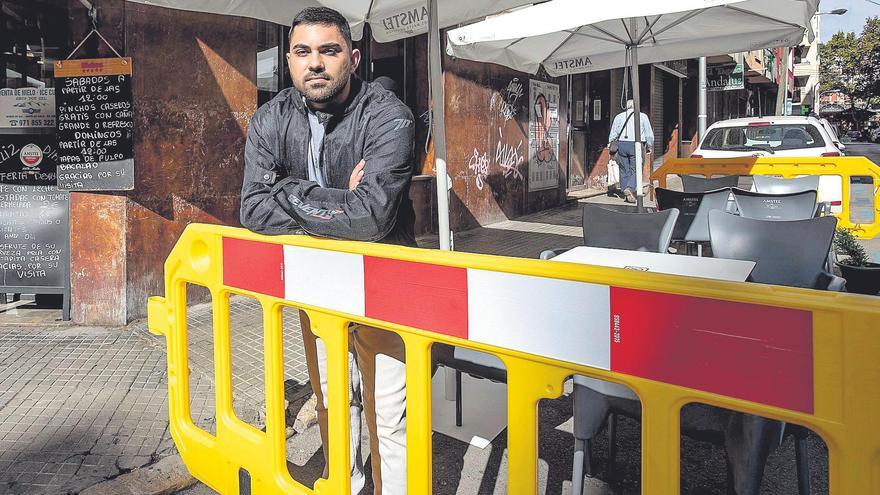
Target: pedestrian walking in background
<point>622,136</point>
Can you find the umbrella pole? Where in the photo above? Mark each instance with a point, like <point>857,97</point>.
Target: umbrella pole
<point>438,123</point>
<point>637,117</point>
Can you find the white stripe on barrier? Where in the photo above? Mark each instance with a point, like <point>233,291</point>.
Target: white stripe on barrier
<point>559,319</point>
<point>327,279</point>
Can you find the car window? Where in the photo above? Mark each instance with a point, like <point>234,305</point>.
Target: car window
<point>773,137</point>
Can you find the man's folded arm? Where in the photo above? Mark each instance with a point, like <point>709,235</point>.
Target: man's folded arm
<point>369,212</point>
<point>260,212</point>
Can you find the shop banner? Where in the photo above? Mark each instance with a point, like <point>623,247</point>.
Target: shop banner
<point>27,107</point>
<point>725,77</point>
<point>543,135</point>
<point>95,124</point>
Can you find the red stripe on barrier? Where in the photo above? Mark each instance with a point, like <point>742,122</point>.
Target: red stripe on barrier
<point>419,295</point>
<point>758,353</point>
<point>254,266</point>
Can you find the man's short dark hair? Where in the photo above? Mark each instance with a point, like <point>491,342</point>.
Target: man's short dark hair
<point>325,17</point>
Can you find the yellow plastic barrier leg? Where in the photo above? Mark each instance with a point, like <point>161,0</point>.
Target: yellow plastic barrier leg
<point>418,414</point>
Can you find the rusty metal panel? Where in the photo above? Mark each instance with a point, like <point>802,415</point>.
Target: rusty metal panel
<point>97,259</point>
<point>487,144</point>
<point>194,90</point>
<point>194,94</point>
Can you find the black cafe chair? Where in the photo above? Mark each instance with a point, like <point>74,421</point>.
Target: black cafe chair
<point>768,184</point>
<point>789,253</point>
<point>693,183</point>
<point>777,185</point>
<point>777,207</point>
<point>593,399</point>
<point>606,228</point>
<point>694,207</point>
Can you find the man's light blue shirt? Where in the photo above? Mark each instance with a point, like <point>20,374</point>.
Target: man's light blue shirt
<point>629,134</point>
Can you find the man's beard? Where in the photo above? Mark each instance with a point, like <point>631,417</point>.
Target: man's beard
<point>326,93</point>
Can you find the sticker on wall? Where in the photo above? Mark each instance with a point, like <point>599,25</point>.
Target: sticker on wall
<point>543,135</point>
<point>27,107</point>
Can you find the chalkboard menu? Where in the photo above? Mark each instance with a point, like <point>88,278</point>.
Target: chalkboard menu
<point>94,124</point>
<point>34,230</point>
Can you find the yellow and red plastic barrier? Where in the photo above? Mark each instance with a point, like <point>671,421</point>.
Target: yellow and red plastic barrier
<point>841,168</point>
<point>797,355</point>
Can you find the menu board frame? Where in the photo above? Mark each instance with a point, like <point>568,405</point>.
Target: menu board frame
<point>24,188</point>
<point>95,124</point>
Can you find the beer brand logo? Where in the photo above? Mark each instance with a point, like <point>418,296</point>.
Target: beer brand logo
<point>31,155</point>
<point>573,63</point>
<point>406,21</point>
<point>92,67</point>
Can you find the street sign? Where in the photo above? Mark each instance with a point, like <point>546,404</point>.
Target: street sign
<point>725,77</point>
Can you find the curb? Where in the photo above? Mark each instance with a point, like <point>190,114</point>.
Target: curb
<point>166,476</point>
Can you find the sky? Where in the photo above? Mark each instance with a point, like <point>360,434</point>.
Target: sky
<point>853,20</point>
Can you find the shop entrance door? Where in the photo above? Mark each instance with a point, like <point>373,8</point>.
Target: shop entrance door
<point>577,136</point>
<point>34,215</point>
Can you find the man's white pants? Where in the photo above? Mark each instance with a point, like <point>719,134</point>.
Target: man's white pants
<point>380,380</point>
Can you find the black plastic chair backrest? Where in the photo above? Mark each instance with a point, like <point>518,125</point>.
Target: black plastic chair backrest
<point>777,185</point>
<point>785,253</point>
<point>694,208</point>
<point>777,207</point>
<point>692,183</point>
<point>650,232</point>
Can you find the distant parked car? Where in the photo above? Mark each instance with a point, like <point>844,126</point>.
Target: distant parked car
<point>854,136</point>
<point>780,137</point>
<point>875,135</point>
<point>768,136</point>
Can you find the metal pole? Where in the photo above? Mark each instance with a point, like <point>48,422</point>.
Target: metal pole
<point>439,125</point>
<point>568,183</point>
<point>637,114</point>
<point>702,113</point>
<point>783,86</point>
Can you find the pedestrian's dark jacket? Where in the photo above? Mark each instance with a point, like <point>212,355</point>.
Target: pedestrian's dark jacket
<point>278,198</point>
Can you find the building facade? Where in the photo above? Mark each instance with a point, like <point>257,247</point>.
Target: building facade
<point>805,97</point>
<point>197,80</point>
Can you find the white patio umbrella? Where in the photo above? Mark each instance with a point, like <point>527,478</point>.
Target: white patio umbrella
<point>573,36</point>
<point>389,20</point>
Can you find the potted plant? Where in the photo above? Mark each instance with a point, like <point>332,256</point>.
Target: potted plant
<point>862,276</point>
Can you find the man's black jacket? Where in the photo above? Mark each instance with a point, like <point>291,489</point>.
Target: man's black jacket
<point>278,198</point>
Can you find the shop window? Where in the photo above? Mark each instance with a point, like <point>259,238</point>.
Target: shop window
<point>272,75</point>
<point>34,36</point>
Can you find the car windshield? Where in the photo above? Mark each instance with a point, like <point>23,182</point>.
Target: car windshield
<point>771,138</point>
